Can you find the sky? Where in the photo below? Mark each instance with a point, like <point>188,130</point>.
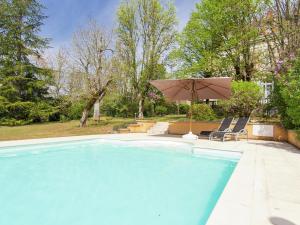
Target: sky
<point>65,16</point>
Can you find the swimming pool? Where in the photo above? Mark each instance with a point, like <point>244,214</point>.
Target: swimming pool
<point>109,182</point>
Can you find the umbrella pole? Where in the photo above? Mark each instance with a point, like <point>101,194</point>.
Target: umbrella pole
<point>191,116</point>
<point>192,100</point>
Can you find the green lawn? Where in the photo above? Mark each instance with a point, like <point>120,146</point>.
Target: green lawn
<point>168,118</point>
<point>61,129</point>
<point>71,128</point>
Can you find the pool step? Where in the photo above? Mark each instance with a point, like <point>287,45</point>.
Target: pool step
<point>159,128</point>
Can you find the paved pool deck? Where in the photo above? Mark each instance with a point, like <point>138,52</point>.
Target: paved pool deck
<point>263,190</point>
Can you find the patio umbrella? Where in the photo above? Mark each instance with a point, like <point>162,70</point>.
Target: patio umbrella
<point>194,89</point>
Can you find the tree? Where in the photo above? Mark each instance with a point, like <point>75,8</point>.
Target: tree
<point>93,63</point>
<point>22,81</point>
<point>220,39</point>
<point>58,65</point>
<point>288,97</point>
<point>281,31</point>
<point>23,84</point>
<point>146,31</point>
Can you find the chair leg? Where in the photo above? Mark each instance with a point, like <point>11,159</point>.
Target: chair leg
<point>223,138</point>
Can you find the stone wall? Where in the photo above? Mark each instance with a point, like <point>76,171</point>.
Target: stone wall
<point>256,131</point>
<point>293,139</point>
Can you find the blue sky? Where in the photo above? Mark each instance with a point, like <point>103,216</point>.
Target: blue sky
<point>64,16</point>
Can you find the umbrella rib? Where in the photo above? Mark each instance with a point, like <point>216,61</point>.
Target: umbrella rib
<point>212,90</point>
<point>170,88</point>
<point>184,86</point>
<point>215,85</point>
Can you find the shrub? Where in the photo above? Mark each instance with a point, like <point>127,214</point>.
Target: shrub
<point>202,112</point>
<point>161,110</point>
<point>287,97</point>
<point>75,110</point>
<point>14,122</point>
<point>245,98</point>
<point>171,107</point>
<point>42,112</point>
<point>121,106</point>
<point>109,108</point>
<point>184,108</point>
<point>63,105</point>
<point>3,108</point>
<point>148,108</point>
<point>19,110</point>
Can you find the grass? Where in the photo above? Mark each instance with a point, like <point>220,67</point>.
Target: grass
<point>62,129</point>
<point>168,118</point>
<point>106,125</point>
<point>71,128</point>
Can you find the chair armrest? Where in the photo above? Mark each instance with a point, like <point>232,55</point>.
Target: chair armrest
<point>228,130</point>
<point>243,131</point>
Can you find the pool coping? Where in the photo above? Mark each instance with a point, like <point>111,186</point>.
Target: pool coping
<point>256,192</point>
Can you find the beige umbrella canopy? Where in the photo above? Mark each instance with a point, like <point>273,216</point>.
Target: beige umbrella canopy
<point>194,89</point>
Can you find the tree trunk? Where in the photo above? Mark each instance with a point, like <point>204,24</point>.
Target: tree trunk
<point>86,110</point>
<point>84,117</point>
<point>141,107</point>
<point>249,71</point>
<point>237,68</point>
<point>96,115</point>
<point>91,102</point>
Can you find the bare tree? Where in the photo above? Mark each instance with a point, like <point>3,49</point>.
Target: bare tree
<point>58,64</point>
<point>93,62</point>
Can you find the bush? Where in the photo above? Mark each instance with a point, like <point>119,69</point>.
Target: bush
<point>161,110</point>
<point>22,113</point>
<point>171,108</point>
<point>120,106</point>
<point>287,97</point>
<point>245,98</point>
<point>3,108</point>
<point>42,112</point>
<point>184,108</point>
<point>109,108</point>
<point>75,110</point>
<point>19,110</point>
<point>14,122</point>
<point>202,112</point>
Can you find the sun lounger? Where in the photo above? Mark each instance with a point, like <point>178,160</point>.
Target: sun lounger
<point>225,125</point>
<point>239,129</point>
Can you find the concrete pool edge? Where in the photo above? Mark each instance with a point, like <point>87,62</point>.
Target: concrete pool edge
<point>121,137</point>
<point>265,186</point>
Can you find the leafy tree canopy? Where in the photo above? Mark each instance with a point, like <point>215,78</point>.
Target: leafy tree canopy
<point>20,46</point>
<point>219,39</point>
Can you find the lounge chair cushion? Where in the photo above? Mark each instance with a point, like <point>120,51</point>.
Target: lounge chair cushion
<point>205,133</point>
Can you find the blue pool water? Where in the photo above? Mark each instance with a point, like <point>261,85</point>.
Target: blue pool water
<point>98,182</point>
